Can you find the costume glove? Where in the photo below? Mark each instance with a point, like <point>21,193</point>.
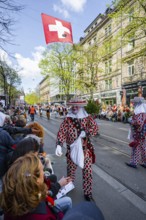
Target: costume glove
<point>58,151</point>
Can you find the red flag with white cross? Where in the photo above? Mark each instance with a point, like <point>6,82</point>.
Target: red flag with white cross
<point>56,30</point>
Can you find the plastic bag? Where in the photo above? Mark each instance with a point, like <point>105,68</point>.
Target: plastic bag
<point>130,134</point>
<point>77,154</point>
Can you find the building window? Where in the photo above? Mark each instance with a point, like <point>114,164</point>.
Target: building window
<point>117,82</point>
<point>108,47</point>
<point>131,44</point>
<point>94,39</point>
<point>131,14</point>
<point>108,30</point>
<point>108,84</point>
<point>108,66</point>
<point>131,68</point>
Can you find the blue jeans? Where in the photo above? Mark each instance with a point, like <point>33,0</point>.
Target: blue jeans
<point>63,204</point>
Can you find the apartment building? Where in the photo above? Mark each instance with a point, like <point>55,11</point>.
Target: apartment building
<point>50,91</point>
<point>44,91</point>
<point>133,67</point>
<point>121,70</point>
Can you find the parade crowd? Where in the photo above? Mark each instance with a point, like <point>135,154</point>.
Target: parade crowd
<point>116,112</point>
<point>28,185</point>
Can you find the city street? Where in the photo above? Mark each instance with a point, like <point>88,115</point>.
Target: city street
<point>74,54</point>
<point>119,191</point>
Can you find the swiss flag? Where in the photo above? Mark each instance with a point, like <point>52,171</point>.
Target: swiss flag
<point>56,30</point>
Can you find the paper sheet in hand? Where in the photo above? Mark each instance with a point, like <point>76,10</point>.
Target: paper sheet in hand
<point>65,189</point>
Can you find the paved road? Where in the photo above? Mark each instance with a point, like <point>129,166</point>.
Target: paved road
<point>118,190</point>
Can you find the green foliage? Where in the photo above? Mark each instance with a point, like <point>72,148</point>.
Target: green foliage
<point>89,68</point>
<point>92,107</point>
<point>58,63</point>
<point>31,98</point>
<point>133,13</point>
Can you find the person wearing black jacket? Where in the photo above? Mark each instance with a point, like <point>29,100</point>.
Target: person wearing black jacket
<point>8,143</point>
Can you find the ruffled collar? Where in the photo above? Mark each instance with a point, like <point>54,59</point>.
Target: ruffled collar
<point>81,114</point>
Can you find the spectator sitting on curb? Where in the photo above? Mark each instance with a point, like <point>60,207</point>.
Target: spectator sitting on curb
<point>32,144</point>
<point>27,199</point>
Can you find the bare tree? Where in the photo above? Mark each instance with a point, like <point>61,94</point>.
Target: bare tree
<point>8,9</point>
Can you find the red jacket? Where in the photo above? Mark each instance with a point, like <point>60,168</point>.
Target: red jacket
<point>42,212</point>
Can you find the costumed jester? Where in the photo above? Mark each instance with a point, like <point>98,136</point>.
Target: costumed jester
<point>137,133</point>
<point>76,130</point>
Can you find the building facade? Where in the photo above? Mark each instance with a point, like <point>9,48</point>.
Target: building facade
<point>121,70</point>
<point>44,91</point>
<point>50,91</point>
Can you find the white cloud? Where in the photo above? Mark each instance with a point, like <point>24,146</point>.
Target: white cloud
<point>69,5</point>
<point>4,57</point>
<point>29,70</point>
<point>74,5</point>
<point>61,10</point>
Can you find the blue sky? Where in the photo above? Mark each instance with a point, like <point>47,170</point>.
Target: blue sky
<point>29,36</point>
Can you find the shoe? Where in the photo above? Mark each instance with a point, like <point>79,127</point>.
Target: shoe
<point>143,165</point>
<point>89,198</point>
<point>131,165</point>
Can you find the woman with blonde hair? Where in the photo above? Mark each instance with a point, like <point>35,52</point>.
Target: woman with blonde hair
<point>24,193</point>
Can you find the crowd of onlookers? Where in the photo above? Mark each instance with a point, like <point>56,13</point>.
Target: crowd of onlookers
<point>113,113</point>
<point>116,112</point>
<point>28,185</point>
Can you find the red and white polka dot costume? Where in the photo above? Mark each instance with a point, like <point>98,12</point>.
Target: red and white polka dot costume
<point>137,134</point>
<point>69,132</point>
<point>138,154</point>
